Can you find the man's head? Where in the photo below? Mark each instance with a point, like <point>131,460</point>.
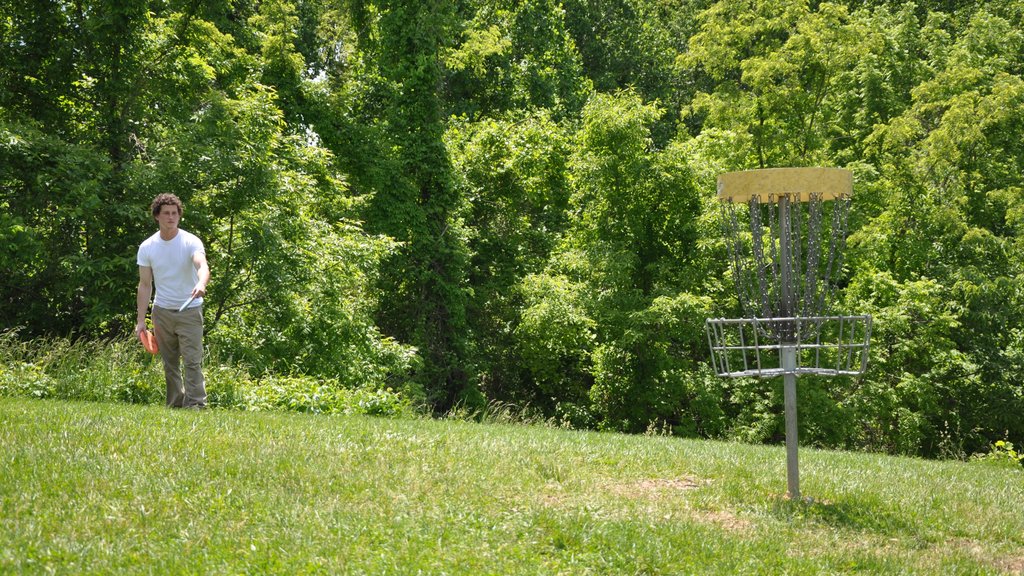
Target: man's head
<point>167,212</point>
<point>166,200</point>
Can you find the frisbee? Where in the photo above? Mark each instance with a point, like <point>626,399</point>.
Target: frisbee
<point>148,340</point>
<point>187,302</point>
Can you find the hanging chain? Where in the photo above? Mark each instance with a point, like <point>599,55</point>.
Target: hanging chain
<point>813,255</point>
<point>760,305</point>
<point>797,287</point>
<point>837,244</point>
<point>770,302</point>
<point>741,275</point>
<point>786,226</point>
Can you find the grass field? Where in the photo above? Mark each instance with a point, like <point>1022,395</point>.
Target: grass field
<point>108,488</point>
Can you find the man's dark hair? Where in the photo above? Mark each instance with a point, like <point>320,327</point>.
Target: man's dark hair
<point>165,200</point>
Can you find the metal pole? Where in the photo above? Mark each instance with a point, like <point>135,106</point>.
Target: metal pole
<point>788,348</point>
<point>789,394</point>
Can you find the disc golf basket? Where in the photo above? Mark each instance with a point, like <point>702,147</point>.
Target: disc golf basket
<point>786,230</point>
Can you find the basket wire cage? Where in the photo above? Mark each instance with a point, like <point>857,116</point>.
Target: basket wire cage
<point>837,346</point>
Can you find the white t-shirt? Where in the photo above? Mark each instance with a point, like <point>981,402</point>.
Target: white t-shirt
<point>174,273</point>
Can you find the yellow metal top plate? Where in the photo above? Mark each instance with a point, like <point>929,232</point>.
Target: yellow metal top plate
<point>768,184</point>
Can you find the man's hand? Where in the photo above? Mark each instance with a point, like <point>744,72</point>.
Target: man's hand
<point>203,272</point>
<point>140,327</point>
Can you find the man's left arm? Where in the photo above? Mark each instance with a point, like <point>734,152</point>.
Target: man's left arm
<point>203,271</point>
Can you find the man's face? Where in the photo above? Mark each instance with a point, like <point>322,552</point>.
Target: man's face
<point>168,217</point>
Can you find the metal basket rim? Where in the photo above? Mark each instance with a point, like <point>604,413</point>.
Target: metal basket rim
<point>856,345</point>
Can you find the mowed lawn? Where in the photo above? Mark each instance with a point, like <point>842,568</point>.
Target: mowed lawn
<point>110,489</point>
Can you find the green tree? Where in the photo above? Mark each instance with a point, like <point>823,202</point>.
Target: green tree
<point>776,70</point>
<point>948,172</point>
<point>417,203</point>
<point>514,55</point>
<point>513,175</point>
<point>70,97</point>
<point>635,44</point>
<point>618,278</point>
<point>293,268</point>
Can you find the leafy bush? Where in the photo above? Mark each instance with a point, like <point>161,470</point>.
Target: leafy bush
<point>119,371</point>
<point>25,379</point>
<point>555,337</point>
<point>304,394</point>
<point>1002,453</point>
<point>924,393</point>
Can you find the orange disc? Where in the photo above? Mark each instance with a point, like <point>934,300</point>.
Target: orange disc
<point>148,340</point>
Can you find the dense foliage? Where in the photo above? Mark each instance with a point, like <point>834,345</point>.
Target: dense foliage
<point>513,200</point>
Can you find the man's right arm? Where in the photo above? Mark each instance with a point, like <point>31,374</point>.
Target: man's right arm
<point>142,297</point>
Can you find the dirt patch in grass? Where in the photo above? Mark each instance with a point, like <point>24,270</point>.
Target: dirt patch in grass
<point>657,497</point>
<point>650,489</point>
<point>654,487</point>
<point>1007,564</point>
<point>724,519</point>
<point>1012,565</point>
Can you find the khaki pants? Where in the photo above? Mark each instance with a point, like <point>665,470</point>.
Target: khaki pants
<point>180,337</point>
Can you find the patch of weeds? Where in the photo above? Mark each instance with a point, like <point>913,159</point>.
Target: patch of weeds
<point>26,380</point>
<point>118,371</point>
<point>1002,454</point>
<point>498,412</point>
<point>234,390</point>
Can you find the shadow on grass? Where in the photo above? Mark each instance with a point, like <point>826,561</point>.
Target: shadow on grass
<point>865,514</point>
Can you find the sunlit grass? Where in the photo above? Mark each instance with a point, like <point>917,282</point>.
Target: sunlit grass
<point>109,488</point>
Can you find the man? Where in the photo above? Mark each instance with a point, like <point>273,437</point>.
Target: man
<point>176,261</point>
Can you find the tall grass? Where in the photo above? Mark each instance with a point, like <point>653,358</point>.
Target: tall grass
<point>107,488</point>
<point>109,370</point>
<point>119,370</point>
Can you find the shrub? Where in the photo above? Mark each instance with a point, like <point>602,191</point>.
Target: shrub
<point>305,394</point>
<point>25,379</point>
<point>119,371</point>
<point>1001,454</point>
